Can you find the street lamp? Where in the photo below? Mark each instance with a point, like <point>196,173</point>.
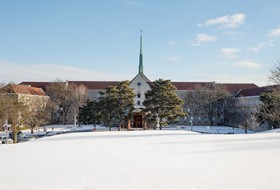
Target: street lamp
<point>191,118</point>
<point>7,130</point>
<point>75,121</point>
<point>157,122</point>
<point>191,121</point>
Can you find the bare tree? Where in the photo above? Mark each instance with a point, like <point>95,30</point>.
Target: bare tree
<point>250,119</point>
<point>2,84</point>
<point>38,114</point>
<point>253,119</point>
<point>244,114</point>
<point>275,74</point>
<point>2,110</point>
<point>15,111</point>
<point>80,98</point>
<point>65,96</point>
<point>208,100</point>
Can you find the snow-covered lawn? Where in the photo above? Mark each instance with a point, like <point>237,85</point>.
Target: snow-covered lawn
<point>146,160</point>
<point>60,128</point>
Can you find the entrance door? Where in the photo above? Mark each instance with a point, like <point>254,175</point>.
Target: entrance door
<point>137,122</point>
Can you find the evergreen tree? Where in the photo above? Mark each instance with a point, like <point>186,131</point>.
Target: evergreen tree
<point>270,107</point>
<point>125,103</point>
<point>90,113</point>
<point>108,104</point>
<point>116,104</point>
<point>162,103</point>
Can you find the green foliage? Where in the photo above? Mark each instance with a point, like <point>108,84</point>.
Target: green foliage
<point>90,113</point>
<point>162,102</point>
<point>116,103</point>
<point>270,107</point>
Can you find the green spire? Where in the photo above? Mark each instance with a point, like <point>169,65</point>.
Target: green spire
<point>141,55</point>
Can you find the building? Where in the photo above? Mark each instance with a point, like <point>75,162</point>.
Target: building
<point>141,84</point>
<point>33,97</point>
<point>244,101</point>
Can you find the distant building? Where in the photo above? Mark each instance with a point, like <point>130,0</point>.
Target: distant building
<point>30,96</point>
<point>245,100</point>
<point>141,84</point>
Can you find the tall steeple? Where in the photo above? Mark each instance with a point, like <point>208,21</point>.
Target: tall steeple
<point>141,55</point>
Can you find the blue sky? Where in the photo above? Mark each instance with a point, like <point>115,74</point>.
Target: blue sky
<point>223,41</point>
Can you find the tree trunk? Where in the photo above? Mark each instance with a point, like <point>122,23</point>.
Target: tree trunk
<point>32,129</point>
<point>145,125</point>
<point>128,125</point>
<point>15,136</point>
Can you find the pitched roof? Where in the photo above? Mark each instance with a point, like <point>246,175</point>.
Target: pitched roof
<point>235,87</point>
<point>254,91</point>
<point>97,85</point>
<point>22,89</point>
<point>231,87</point>
<point>189,85</point>
<point>143,76</point>
<point>42,85</point>
<point>100,85</point>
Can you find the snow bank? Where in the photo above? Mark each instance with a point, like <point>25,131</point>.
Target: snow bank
<point>150,160</point>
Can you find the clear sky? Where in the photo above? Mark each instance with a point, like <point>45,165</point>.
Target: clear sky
<point>183,40</point>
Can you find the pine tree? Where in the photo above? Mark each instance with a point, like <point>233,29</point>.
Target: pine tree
<point>125,103</point>
<point>116,103</point>
<point>90,113</point>
<point>270,107</point>
<point>162,103</point>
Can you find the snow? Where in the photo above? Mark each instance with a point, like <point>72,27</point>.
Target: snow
<point>150,160</point>
<point>212,129</point>
<point>60,128</point>
<point>272,131</point>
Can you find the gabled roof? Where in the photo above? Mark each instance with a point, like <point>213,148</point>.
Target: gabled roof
<point>143,77</point>
<point>22,89</point>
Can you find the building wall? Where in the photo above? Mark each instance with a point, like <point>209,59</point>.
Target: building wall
<point>199,117</point>
<point>237,105</point>
<point>140,87</point>
<point>32,101</point>
<point>93,94</point>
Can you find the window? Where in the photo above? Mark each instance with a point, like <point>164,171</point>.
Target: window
<point>139,84</point>
<point>138,95</point>
<point>138,103</point>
